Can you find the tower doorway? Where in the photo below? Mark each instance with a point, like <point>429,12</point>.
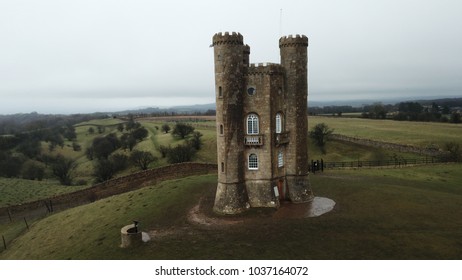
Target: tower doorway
<point>281,190</point>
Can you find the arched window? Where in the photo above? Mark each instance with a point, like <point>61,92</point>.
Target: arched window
<point>280,159</point>
<point>252,124</point>
<point>279,128</point>
<point>253,162</point>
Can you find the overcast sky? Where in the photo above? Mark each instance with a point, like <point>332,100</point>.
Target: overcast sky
<point>63,56</point>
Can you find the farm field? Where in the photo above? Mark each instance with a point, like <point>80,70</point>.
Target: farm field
<point>421,134</point>
<point>407,213</point>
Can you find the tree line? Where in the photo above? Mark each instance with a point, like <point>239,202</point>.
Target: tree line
<point>442,111</point>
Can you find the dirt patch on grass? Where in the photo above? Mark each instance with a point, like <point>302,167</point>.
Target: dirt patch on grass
<point>197,216</point>
<point>202,215</point>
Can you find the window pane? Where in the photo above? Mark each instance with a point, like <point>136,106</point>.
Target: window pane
<point>252,124</point>
<point>253,161</point>
<point>278,123</point>
<point>280,159</point>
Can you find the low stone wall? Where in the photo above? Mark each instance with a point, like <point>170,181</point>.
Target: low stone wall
<point>114,187</point>
<point>389,146</point>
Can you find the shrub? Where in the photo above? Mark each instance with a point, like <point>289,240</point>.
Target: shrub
<point>103,170</point>
<point>181,153</point>
<point>62,168</point>
<point>142,159</point>
<point>320,133</point>
<point>182,130</point>
<point>165,128</point>
<point>32,170</point>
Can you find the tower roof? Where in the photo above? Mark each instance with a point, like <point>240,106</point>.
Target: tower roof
<point>227,39</point>
<point>292,41</point>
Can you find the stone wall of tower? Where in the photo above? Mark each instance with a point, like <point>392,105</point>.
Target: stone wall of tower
<point>265,102</point>
<point>294,59</point>
<point>266,91</point>
<point>231,59</point>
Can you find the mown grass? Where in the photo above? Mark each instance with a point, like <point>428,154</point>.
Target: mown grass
<point>421,134</point>
<point>15,191</point>
<point>408,213</point>
<point>93,231</point>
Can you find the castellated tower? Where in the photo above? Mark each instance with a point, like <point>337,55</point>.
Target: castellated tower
<point>261,125</point>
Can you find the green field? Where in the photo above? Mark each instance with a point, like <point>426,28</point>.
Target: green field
<point>380,213</point>
<point>206,154</point>
<point>15,191</point>
<point>408,213</point>
<point>421,134</point>
<point>19,191</point>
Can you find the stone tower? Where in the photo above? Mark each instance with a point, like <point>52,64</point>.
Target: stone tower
<point>261,125</point>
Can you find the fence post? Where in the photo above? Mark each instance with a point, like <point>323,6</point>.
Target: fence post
<point>26,223</point>
<point>46,205</point>
<point>9,214</point>
<point>4,242</point>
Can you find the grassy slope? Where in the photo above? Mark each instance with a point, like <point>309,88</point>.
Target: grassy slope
<point>410,213</point>
<point>405,132</point>
<point>420,134</point>
<point>15,191</point>
<point>207,129</point>
<point>93,231</point>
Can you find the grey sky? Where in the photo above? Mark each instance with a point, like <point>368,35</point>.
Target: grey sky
<point>94,55</point>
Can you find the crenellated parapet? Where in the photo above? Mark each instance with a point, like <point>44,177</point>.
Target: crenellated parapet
<point>265,69</point>
<point>247,49</point>
<point>293,41</point>
<point>227,39</point>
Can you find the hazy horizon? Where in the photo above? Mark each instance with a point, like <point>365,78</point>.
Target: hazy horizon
<point>87,56</point>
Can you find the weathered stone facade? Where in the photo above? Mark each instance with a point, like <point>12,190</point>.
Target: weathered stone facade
<point>261,125</point>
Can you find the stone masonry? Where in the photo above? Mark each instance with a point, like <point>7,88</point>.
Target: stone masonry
<point>261,125</point>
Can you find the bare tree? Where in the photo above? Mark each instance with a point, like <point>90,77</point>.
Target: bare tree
<point>142,159</point>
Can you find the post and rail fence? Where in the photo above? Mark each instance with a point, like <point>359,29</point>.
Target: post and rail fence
<point>320,165</point>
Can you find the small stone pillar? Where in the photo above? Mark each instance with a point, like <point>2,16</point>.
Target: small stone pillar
<point>130,235</point>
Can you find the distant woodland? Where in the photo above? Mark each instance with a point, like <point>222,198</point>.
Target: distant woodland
<point>439,110</point>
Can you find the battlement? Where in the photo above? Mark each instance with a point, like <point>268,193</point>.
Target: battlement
<point>265,69</point>
<point>293,41</point>
<point>227,39</point>
<point>247,49</point>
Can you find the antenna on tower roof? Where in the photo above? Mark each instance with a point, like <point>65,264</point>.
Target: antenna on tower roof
<point>280,23</point>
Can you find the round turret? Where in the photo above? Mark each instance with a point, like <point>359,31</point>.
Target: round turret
<point>294,59</point>
<point>227,39</point>
<point>291,41</point>
<point>231,60</point>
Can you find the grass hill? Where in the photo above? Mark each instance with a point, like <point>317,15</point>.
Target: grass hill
<point>386,213</point>
<point>410,213</point>
<point>413,133</point>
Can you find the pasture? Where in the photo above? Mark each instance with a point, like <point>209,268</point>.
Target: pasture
<point>420,134</point>
<point>405,213</point>
<point>408,213</point>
